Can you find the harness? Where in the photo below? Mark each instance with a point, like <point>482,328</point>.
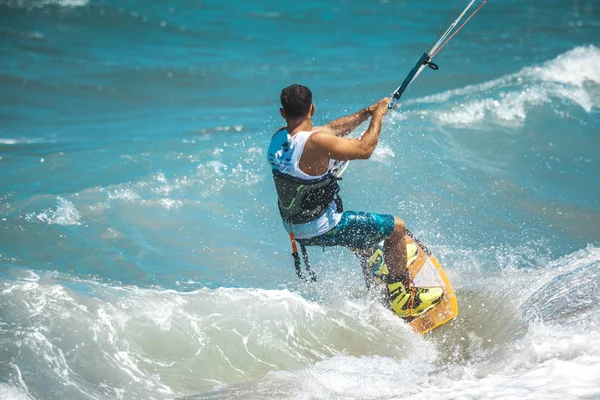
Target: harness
<point>301,201</point>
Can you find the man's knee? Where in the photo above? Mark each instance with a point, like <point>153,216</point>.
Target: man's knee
<point>399,227</point>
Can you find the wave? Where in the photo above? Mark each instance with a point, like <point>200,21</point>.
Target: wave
<point>579,284</point>
<point>229,342</point>
<point>207,337</point>
<point>44,3</point>
<point>572,78</point>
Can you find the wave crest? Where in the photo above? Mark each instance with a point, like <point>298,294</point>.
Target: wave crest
<point>573,78</point>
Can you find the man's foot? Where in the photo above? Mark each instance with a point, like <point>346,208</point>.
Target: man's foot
<point>408,301</point>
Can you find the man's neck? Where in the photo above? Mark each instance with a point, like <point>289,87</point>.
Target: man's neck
<point>298,125</point>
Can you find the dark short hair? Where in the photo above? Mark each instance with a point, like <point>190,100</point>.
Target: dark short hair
<point>296,101</point>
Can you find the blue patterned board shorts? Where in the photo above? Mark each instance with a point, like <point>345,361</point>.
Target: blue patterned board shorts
<point>359,230</point>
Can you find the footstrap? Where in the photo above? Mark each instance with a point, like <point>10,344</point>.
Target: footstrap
<point>411,301</point>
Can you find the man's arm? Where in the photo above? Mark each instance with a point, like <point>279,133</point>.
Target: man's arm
<point>344,149</point>
<point>344,125</point>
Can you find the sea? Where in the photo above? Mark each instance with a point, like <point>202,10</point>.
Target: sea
<point>141,251</point>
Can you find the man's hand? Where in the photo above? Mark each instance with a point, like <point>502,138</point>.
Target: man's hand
<point>381,107</point>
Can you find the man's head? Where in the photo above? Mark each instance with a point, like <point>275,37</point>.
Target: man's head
<point>296,102</point>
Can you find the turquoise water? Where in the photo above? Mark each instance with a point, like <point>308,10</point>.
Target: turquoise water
<point>141,254</point>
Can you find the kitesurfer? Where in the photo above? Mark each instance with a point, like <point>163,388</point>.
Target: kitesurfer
<point>302,156</point>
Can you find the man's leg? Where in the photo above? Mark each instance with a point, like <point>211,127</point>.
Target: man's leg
<point>406,300</point>
<point>362,232</point>
<point>394,248</point>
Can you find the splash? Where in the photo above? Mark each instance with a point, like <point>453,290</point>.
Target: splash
<point>65,213</point>
<point>383,154</point>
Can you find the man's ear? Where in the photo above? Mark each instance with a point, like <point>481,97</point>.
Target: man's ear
<point>312,110</point>
<point>282,112</point>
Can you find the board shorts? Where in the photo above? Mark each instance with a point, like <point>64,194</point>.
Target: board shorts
<point>356,229</point>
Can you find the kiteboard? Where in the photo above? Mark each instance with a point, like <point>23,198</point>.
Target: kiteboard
<point>425,271</point>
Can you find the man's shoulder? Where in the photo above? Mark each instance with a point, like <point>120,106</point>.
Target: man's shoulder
<point>321,134</point>
<point>322,130</point>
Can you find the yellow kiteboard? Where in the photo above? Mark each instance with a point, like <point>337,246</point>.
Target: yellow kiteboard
<point>425,271</point>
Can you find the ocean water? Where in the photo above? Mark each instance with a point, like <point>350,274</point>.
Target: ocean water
<point>141,253</point>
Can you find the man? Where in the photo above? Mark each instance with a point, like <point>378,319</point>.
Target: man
<point>302,157</point>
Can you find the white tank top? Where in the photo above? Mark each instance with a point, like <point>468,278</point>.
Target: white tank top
<point>284,155</point>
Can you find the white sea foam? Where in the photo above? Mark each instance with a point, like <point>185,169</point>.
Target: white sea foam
<point>550,363</point>
<point>209,179</point>
<point>170,203</point>
<point>65,3</point>
<point>226,128</point>
<point>65,213</point>
<point>9,392</point>
<point>44,3</point>
<point>13,141</point>
<point>8,141</point>
<point>575,67</point>
<point>123,194</point>
<point>18,392</point>
<point>570,77</point>
<point>71,3</point>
